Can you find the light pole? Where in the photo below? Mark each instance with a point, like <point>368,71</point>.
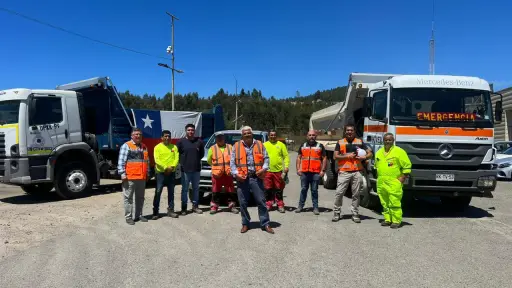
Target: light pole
<point>170,49</point>
<point>236,104</point>
<point>172,70</point>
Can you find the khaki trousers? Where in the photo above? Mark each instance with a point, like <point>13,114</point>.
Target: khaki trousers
<point>355,180</point>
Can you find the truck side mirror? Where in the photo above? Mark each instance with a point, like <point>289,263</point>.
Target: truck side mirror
<point>367,107</point>
<point>498,111</point>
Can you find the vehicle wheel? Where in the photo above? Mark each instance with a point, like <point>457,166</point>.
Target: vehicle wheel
<point>368,200</point>
<point>73,181</point>
<point>329,178</point>
<point>38,189</point>
<point>457,204</point>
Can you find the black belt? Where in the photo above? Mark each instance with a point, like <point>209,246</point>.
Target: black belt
<point>251,175</point>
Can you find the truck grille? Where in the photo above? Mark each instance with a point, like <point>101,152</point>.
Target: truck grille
<point>2,154</point>
<point>466,157</point>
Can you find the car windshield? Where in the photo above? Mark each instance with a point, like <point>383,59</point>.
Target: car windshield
<point>502,146</point>
<point>508,151</point>
<point>9,111</point>
<point>231,138</point>
<point>436,106</point>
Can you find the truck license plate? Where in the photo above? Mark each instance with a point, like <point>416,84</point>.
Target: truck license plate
<point>445,177</point>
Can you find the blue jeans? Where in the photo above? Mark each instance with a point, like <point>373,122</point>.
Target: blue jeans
<point>186,178</point>
<point>306,180</point>
<point>162,181</point>
<point>244,189</point>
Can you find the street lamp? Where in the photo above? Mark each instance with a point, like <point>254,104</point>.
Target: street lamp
<point>237,101</point>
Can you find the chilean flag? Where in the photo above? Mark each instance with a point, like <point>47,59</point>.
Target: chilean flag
<point>153,122</point>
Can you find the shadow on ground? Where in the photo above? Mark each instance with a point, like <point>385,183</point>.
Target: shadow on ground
<point>53,197</point>
<point>432,208</point>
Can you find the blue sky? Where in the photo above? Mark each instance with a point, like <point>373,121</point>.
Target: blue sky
<point>277,46</point>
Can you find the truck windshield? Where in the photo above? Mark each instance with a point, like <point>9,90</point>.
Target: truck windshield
<point>230,138</point>
<point>441,107</point>
<point>9,111</point>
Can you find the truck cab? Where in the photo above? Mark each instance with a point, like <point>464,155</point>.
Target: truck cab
<point>41,128</point>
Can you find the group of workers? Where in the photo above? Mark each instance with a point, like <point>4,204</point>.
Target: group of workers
<point>260,169</point>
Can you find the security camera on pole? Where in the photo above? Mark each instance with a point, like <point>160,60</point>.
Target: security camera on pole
<point>170,50</point>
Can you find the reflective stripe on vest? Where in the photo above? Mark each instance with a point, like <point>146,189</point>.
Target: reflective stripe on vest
<point>220,160</point>
<point>136,162</point>
<point>349,165</point>
<point>311,160</point>
<point>241,157</point>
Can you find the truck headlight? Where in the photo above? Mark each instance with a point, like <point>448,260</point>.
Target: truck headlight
<point>486,181</point>
<point>504,165</point>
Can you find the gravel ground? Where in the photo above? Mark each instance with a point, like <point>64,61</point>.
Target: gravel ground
<point>86,243</point>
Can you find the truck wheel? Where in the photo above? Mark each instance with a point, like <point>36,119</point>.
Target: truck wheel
<point>329,177</point>
<point>457,204</point>
<point>73,181</point>
<point>368,200</point>
<point>38,189</point>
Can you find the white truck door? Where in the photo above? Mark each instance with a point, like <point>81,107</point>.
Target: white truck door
<point>47,125</point>
<point>375,126</point>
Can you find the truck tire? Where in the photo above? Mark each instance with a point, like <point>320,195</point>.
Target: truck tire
<point>38,189</point>
<point>456,204</point>
<point>367,199</point>
<point>73,180</point>
<point>329,177</point>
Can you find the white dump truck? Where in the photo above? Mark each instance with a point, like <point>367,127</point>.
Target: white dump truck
<point>444,123</point>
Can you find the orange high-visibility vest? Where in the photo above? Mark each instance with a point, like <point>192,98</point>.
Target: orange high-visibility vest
<point>311,160</point>
<point>241,157</point>
<point>349,165</point>
<point>137,162</point>
<point>220,160</point>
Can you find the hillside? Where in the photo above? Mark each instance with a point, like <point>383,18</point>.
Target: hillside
<point>289,115</point>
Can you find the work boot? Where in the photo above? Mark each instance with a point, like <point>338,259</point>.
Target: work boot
<point>395,226</point>
<point>156,215</point>
<point>196,210</point>
<point>356,219</point>
<point>141,219</point>
<point>213,210</point>
<point>316,211</point>
<point>385,223</point>
<point>298,210</point>
<point>171,213</point>
<point>183,210</point>
<point>130,221</point>
<point>281,209</point>
<point>336,217</point>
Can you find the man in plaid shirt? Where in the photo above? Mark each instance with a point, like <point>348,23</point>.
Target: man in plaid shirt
<point>133,166</point>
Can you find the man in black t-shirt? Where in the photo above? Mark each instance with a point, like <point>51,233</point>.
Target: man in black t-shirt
<point>191,151</point>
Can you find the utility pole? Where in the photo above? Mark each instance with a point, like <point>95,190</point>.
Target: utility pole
<point>432,45</point>
<point>172,54</point>
<point>236,104</point>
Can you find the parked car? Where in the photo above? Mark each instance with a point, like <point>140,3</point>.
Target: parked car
<point>231,137</point>
<point>504,164</point>
<point>501,146</point>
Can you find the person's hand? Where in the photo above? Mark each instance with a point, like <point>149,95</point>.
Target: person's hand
<point>171,168</point>
<point>299,173</point>
<point>286,170</point>
<point>240,178</point>
<point>322,173</point>
<point>123,178</point>
<point>261,173</point>
<point>401,179</point>
<point>350,155</point>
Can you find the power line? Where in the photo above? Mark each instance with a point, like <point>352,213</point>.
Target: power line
<point>78,34</point>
